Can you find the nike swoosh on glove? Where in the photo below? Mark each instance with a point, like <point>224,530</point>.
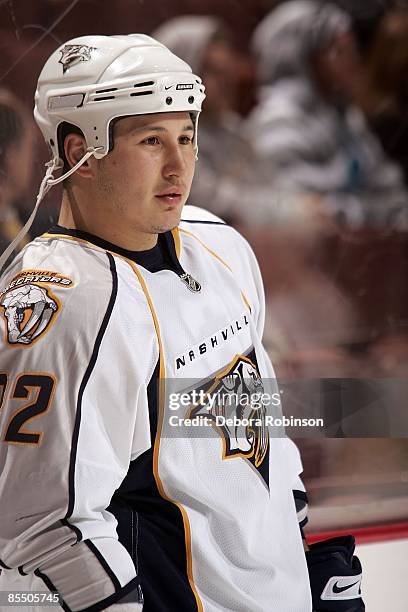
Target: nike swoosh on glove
<point>335,576</point>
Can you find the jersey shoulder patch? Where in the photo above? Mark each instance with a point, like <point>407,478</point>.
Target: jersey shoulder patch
<point>28,305</point>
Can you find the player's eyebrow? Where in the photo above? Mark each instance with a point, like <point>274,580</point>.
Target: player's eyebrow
<point>158,128</point>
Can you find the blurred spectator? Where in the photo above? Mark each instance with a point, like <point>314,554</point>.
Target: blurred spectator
<point>305,124</point>
<point>310,322</point>
<point>16,160</point>
<point>385,94</point>
<point>205,43</point>
<point>391,353</point>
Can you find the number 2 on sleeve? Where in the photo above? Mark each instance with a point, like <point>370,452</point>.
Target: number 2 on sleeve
<point>45,386</point>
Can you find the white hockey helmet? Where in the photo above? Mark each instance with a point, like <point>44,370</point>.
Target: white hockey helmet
<point>91,80</point>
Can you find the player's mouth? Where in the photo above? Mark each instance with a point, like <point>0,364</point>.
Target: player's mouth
<point>172,195</point>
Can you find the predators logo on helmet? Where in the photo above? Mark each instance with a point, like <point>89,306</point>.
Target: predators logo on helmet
<point>73,54</point>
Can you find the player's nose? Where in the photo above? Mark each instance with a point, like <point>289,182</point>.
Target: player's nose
<point>174,160</point>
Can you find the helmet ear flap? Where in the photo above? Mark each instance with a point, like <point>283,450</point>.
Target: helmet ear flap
<point>64,129</point>
<point>111,128</point>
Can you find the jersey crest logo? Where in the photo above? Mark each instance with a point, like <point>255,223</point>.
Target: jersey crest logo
<point>244,430</point>
<point>28,312</point>
<point>73,54</point>
<point>191,282</point>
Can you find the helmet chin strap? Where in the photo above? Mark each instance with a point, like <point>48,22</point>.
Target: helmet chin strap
<point>46,184</point>
<point>195,138</point>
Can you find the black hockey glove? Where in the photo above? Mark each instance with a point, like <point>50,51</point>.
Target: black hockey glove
<point>335,576</point>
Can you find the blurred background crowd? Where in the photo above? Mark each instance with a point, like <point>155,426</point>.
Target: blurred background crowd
<point>303,146</point>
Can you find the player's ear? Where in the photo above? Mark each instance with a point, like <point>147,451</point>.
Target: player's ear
<point>75,149</point>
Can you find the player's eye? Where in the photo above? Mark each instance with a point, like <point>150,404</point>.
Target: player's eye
<point>185,140</point>
<point>151,140</point>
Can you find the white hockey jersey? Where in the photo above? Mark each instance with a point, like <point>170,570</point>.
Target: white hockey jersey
<point>108,490</point>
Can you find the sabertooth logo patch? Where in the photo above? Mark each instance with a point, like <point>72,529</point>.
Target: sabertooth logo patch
<point>73,54</point>
<point>28,312</point>
<point>28,306</point>
<point>245,433</point>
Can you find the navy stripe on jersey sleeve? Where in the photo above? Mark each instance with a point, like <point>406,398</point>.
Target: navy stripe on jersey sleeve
<point>301,502</point>
<point>82,387</point>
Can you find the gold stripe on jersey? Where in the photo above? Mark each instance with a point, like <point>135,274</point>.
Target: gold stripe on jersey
<point>220,259</point>
<point>156,450</point>
<point>74,238</point>
<point>3,387</point>
<point>176,238</point>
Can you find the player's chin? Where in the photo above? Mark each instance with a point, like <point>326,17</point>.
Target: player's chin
<point>167,221</point>
<point>171,216</point>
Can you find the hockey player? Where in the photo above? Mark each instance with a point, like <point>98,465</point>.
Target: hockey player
<point>127,306</point>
